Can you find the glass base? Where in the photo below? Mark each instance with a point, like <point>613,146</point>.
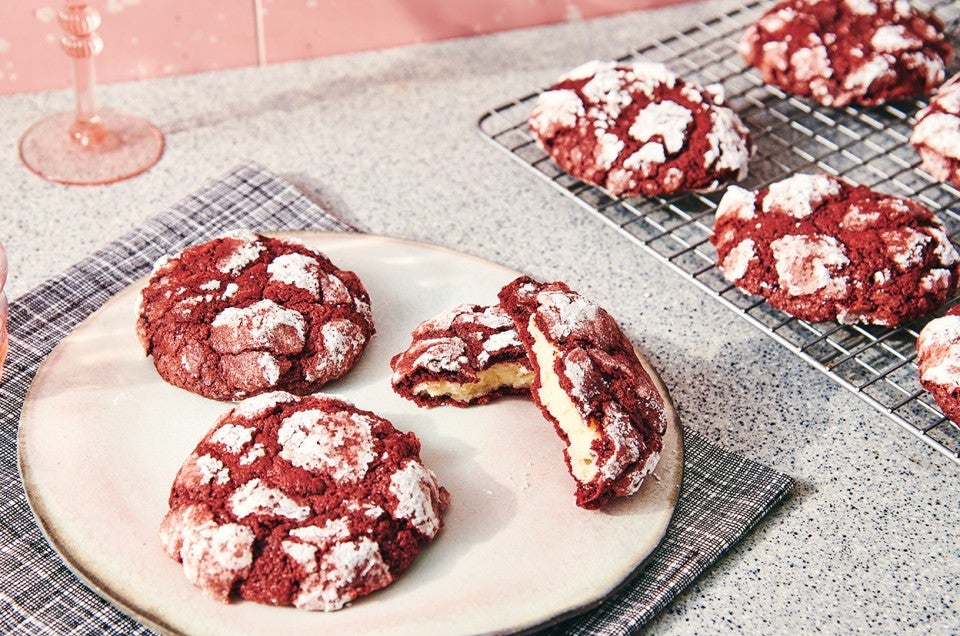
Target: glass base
<point>120,147</point>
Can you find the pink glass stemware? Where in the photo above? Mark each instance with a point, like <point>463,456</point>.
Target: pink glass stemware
<point>88,146</point>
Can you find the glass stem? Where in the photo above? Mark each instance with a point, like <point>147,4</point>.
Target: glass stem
<point>81,42</point>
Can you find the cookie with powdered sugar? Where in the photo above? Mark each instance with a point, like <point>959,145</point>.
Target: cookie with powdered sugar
<point>938,361</point>
<point>303,501</point>
<point>841,52</point>
<point>591,384</point>
<point>822,249</point>
<point>244,313</point>
<point>639,129</point>
<point>469,354</point>
<point>936,133</point>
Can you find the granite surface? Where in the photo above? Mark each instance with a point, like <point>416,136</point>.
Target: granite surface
<point>870,542</point>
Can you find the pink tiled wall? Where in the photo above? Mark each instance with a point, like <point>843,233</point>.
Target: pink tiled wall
<point>150,38</point>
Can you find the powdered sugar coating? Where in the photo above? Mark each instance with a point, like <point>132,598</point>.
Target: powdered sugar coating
<point>233,438</point>
<point>810,264</point>
<point>560,109</point>
<point>798,195</point>
<point>936,133</point>
<point>451,357</point>
<point>938,347</point>
<point>737,202</point>
<point>590,384</point>
<point>862,7</point>
<point>254,406</point>
<point>866,52</point>
<point>340,444</point>
<point>211,469</point>
<point>255,498</point>
<point>296,269</point>
<point>415,489</point>
<point>322,503</point>
<point>667,120</point>
<point>894,38</point>
<point>905,246</point>
<point>439,355</point>
<point>640,129</point>
<point>938,361</point>
<point>265,324</point>
<point>823,249</point>
<point>214,555</point>
<point>727,151</point>
<point>246,314</point>
<point>336,344</point>
<point>246,249</point>
<point>343,561</point>
<point>737,261</point>
<point>565,313</point>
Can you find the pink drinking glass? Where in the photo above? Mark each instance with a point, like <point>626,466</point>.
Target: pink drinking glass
<point>87,146</point>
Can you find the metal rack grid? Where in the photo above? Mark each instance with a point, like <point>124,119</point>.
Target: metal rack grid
<point>865,145</point>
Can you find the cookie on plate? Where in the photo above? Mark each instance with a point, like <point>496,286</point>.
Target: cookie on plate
<point>822,249</point>
<point>938,361</point>
<point>591,385</point>
<point>639,129</point>
<point>841,52</point>
<point>467,355</point>
<point>936,133</point>
<point>244,314</point>
<point>303,501</point>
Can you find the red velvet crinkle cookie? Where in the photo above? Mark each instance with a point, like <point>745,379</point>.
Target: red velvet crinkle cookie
<point>640,129</point>
<point>938,360</point>
<point>304,501</point>
<point>841,52</point>
<point>822,249</point>
<point>244,314</point>
<point>467,355</point>
<point>591,385</point>
<point>936,134</point>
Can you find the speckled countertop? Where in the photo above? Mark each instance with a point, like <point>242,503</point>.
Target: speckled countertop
<point>870,542</point>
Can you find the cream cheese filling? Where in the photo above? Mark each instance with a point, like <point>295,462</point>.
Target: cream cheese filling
<point>580,433</point>
<point>503,374</point>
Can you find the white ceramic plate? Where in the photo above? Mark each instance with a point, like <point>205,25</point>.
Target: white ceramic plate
<point>102,436</point>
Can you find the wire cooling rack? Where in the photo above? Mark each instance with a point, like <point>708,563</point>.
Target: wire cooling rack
<point>868,146</point>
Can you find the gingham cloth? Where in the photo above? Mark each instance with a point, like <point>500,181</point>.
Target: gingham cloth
<point>722,498</point>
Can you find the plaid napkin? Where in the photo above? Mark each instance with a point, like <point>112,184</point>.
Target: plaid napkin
<point>723,495</point>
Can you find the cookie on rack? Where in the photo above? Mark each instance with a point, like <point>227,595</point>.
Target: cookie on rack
<point>639,129</point>
<point>841,52</point>
<point>469,354</point>
<point>938,361</point>
<point>936,133</point>
<point>822,249</point>
<point>591,384</point>
<point>303,501</point>
<point>244,313</point>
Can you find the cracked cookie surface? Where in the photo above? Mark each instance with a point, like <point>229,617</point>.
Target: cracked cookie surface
<point>841,52</point>
<point>243,314</point>
<point>303,501</point>
<point>640,129</point>
<point>823,249</point>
